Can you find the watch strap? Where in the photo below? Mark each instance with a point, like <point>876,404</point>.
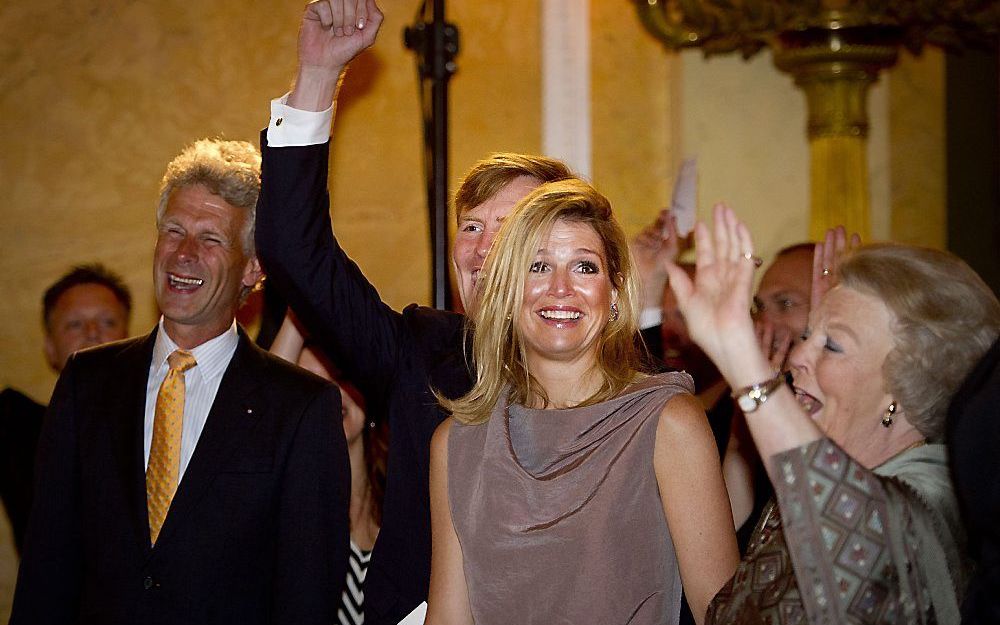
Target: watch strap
<point>749,398</point>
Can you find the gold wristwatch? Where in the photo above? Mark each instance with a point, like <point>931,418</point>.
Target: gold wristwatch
<point>749,398</point>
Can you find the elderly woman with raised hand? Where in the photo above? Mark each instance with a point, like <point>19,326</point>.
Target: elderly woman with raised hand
<point>553,486</point>
<point>866,526</point>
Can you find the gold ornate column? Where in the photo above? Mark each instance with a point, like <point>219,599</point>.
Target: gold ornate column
<point>834,49</point>
<point>835,73</point>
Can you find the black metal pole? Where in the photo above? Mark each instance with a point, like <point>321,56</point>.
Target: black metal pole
<point>436,44</point>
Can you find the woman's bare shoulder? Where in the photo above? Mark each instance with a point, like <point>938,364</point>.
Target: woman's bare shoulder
<point>682,415</point>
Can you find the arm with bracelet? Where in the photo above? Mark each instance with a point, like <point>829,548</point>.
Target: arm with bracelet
<point>865,527</point>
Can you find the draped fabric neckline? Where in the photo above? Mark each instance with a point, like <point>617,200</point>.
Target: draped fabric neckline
<point>548,442</point>
<point>570,452</point>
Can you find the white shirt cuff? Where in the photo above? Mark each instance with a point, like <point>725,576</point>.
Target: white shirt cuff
<point>294,127</point>
<point>650,317</point>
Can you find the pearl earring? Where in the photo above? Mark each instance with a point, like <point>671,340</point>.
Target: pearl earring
<point>887,416</point>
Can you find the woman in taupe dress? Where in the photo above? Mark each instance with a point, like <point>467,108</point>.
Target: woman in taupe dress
<point>569,487</point>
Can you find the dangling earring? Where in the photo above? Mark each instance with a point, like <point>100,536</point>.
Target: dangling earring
<point>887,416</point>
<point>614,311</point>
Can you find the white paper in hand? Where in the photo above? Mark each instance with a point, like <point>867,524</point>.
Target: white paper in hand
<point>417,616</point>
<point>683,205</point>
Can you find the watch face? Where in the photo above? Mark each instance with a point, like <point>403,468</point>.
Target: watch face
<point>746,403</point>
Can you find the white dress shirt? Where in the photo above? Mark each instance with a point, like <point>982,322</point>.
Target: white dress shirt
<point>295,127</point>
<point>201,383</point>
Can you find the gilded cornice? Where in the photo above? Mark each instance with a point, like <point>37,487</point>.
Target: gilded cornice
<point>722,26</point>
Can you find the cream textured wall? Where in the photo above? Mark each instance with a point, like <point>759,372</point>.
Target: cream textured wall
<point>745,121</point>
<point>95,98</point>
<point>634,92</point>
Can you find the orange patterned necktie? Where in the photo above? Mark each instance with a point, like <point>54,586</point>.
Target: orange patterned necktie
<point>165,450</point>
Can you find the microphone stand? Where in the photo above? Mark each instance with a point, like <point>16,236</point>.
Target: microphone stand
<point>435,43</point>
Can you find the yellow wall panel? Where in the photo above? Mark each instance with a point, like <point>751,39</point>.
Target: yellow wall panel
<point>917,155</point>
<point>95,98</point>
<point>634,89</point>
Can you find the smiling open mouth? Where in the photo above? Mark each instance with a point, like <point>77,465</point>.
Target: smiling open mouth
<point>561,315</point>
<point>809,403</point>
<point>182,283</point>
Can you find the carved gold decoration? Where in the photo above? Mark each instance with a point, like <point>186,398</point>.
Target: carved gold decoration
<point>835,50</point>
<point>718,26</point>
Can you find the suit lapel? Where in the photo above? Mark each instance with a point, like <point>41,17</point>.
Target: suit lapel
<point>127,416</point>
<point>234,411</point>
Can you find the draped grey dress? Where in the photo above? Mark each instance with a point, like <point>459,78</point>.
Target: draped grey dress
<point>559,515</point>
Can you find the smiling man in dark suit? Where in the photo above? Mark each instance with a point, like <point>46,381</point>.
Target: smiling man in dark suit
<point>187,476</point>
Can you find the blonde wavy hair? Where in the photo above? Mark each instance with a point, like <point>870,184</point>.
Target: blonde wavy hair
<point>946,318</point>
<point>498,344</point>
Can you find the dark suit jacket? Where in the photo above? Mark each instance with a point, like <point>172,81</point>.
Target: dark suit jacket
<point>256,533</point>
<point>394,358</point>
<point>20,427</point>
<point>973,442</point>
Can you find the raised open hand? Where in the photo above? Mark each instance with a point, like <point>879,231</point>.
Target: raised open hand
<point>652,248</point>
<point>716,304</point>
<point>826,260</point>
<point>659,241</point>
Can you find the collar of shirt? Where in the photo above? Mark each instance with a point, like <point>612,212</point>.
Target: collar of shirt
<point>213,356</point>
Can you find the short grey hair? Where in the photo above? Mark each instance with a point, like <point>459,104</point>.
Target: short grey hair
<point>229,169</point>
<point>946,318</point>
